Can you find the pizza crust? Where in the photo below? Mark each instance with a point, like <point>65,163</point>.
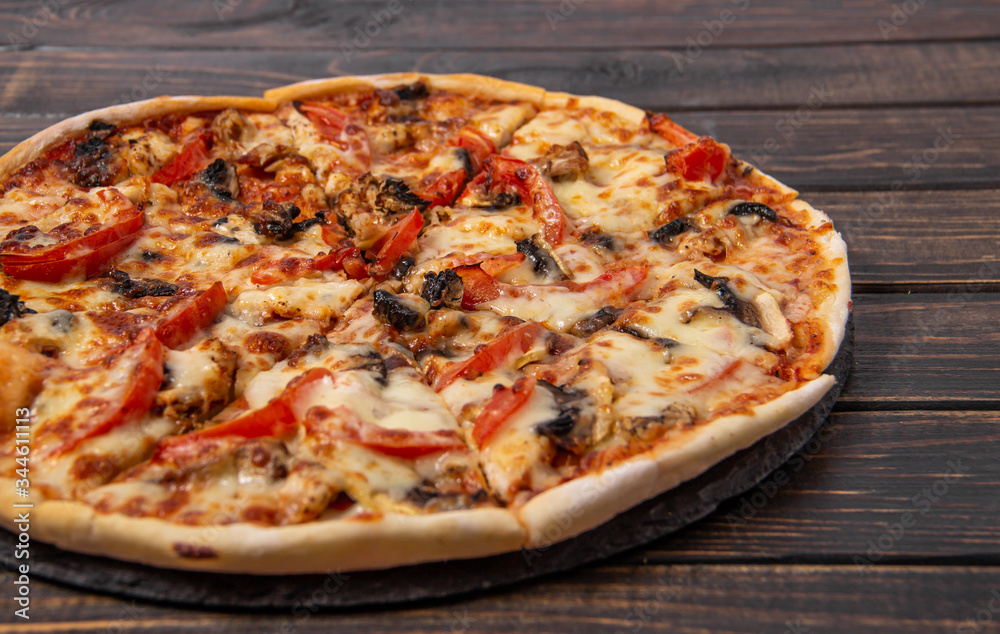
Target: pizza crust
<point>344,545</point>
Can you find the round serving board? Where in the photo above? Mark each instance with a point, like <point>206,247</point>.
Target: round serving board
<point>642,524</point>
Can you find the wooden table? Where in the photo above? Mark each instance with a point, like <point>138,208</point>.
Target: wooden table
<point>885,115</point>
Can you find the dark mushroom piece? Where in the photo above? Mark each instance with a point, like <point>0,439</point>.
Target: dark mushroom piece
<point>544,261</point>
<point>598,321</point>
<point>443,289</point>
<point>763,312</point>
<point>665,234</point>
<point>276,220</point>
<point>220,177</point>
<point>572,428</point>
<point>748,208</point>
<point>262,460</point>
<point>123,284</point>
<point>11,307</point>
<point>566,162</point>
<point>647,428</point>
<point>398,312</point>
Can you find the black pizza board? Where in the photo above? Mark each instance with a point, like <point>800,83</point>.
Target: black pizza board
<point>639,525</point>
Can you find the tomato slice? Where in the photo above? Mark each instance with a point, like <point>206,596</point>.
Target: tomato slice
<point>445,188</point>
<point>492,264</point>
<point>479,285</point>
<point>700,160</point>
<point>88,265</point>
<point>144,357</point>
<point>666,128</point>
<point>616,284</point>
<point>510,175</point>
<point>401,443</point>
<point>505,401</point>
<point>477,144</point>
<point>505,349</point>
<point>192,158</point>
<point>124,220</point>
<point>190,317</point>
<point>275,419</point>
<point>394,244</point>
<point>338,128</point>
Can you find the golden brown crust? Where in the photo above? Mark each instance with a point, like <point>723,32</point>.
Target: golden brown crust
<point>554,515</point>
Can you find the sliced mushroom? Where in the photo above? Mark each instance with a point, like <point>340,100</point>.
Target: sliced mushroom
<point>647,428</point>
<point>598,321</point>
<point>665,234</point>
<point>761,312</point>
<point>443,289</point>
<point>262,460</point>
<point>11,307</point>
<point>566,162</point>
<point>749,208</point>
<point>544,260</point>
<point>221,178</point>
<point>231,129</point>
<point>402,312</point>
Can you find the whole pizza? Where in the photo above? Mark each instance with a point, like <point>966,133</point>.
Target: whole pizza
<point>368,322</point>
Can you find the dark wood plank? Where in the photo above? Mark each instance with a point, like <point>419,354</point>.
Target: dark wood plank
<point>455,24</point>
<point>917,351</point>
<point>876,486</point>
<point>911,241</point>
<point>721,78</point>
<point>902,148</point>
<point>683,598</point>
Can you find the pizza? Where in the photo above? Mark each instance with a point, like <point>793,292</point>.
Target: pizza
<point>368,322</point>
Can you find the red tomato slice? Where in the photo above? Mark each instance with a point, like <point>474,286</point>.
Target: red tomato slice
<point>191,159</point>
<point>275,419</point>
<point>696,161</point>
<point>505,174</point>
<point>477,144</point>
<point>144,357</point>
<point>86,266</point>
<point>479,286</point>
<point>716,378</point>
<point>616,284</point>
<point>505,401</point>
<point>445,188</point>
<point>666,128</point>
<point>394,244</point>
<point>284,269</point>
<point>505,349</point>
<point>493,265</point>
<point>190,317</point>
<point>337,127</point>
<point>123,220</point>
<point>401,443</point>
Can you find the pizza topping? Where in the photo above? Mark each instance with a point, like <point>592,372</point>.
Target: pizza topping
<point>505,401</point>
<point>565,161</point>
<point>665,234</point>
<point>123,284</point>
<point>598,321</point>
<point>191,316</point>
<point>700,160</point>
<point>400,312</point>
<point>220,177</point>
<point>11,307</point>
<point>94,163</point>
<point>760,209</point>
<point>186,164</point>
<point>443,289</point>
<point>513,176</point>
<point>544,261</point>
<point>277,221</point>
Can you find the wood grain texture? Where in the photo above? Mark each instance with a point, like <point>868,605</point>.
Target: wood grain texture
<point>917,351</point>
<point>848,491</point>
<point>718,79</point>
<point>608,598</point>
<point>455,24</point>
